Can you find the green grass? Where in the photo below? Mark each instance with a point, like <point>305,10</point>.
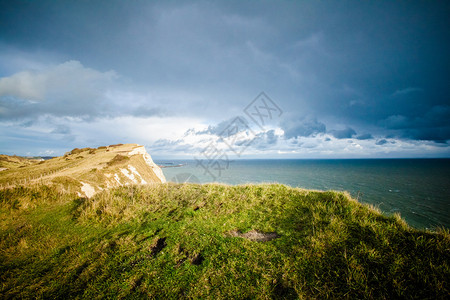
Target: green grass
<point>174,241</point>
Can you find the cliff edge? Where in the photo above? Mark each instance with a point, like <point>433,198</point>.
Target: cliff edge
<point>90,170</point>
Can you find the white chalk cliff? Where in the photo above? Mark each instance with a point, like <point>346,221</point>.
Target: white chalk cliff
<point>110,166</point>
<point>140,150</point>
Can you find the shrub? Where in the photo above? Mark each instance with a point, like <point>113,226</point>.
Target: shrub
<point>115,145</point>
<point>76,151</point>
<point>118,159</point>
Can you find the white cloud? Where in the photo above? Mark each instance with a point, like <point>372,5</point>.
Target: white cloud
<point>25,85</point>
<point>273,143</point>
<point>69,77</point>
<point>67,89</point>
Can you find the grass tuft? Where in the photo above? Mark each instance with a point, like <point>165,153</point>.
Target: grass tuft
<point>118,159</point>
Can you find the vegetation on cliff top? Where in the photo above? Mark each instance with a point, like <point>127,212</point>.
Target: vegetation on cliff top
<point>100,167</point>
<point>212,241</point>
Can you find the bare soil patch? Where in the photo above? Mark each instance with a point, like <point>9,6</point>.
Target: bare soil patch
<point>255,235</point>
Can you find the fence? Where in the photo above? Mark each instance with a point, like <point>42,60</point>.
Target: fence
<point>42,178</point>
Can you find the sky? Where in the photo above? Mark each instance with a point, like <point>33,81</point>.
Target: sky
<point>248,79</point>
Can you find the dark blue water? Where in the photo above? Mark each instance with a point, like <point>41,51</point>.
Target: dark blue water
<point>418,189</point>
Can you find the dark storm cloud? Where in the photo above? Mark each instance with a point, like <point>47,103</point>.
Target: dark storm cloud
<point>381,142</point>
<point>305,126</point>
<point>365,136</point>
<point>432,125</point>
<point>346,133</point>
<point>311,49</point>
<point>380,67</point>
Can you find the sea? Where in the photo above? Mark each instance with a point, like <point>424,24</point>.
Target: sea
<point>417,189</point>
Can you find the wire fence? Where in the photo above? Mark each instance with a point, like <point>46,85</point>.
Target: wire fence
<point>42,178</point>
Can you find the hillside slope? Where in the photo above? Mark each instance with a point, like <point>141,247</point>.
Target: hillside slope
<point>185,241</point>
<point>14,161</point>
<point>89,170</point>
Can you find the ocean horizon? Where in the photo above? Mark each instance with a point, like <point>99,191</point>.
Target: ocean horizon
<point>416,188</point>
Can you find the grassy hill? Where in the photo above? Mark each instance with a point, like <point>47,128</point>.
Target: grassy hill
<point>212,241</point>
<point>86,170</point>
<point>14,161</point>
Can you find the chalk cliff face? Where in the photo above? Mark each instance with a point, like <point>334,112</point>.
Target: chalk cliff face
<point>140,150</point>
<point>90,170</point>
<point>124,165</point>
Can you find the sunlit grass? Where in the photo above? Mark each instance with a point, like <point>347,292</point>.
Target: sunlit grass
<point>168,240</point>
